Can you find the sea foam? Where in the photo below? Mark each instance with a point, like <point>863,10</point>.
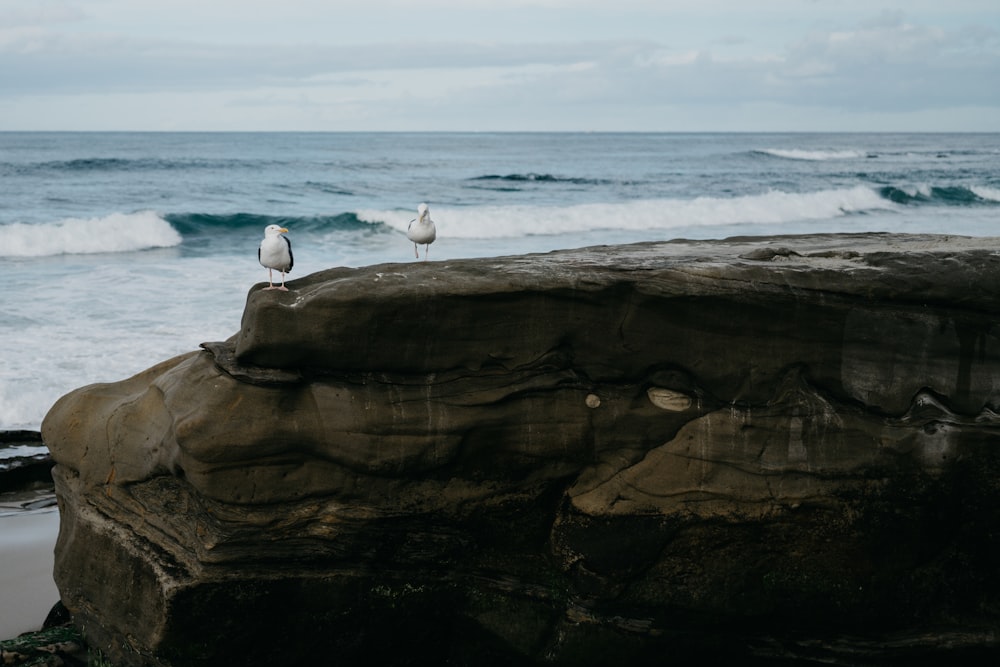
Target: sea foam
<point>118,232</point>
<point>772,207</point>
<point>987,193</point>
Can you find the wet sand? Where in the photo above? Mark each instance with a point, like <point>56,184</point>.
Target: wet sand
<point>28,592</point>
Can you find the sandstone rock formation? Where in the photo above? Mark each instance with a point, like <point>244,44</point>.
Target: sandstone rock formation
<point>749,447</point>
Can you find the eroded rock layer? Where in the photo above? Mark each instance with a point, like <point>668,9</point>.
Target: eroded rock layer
<point>733,448</point>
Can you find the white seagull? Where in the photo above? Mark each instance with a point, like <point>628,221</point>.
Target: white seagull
<point>275,252</point>
<point>422,231</point>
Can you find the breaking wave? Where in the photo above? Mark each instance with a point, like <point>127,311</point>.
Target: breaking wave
<point>950,195</point>
<point>144,230</point>
<point>202,224</point>
<point>771,208</point>
<point>118,232</point>
<point>986,193</point>
<point>812,155</point>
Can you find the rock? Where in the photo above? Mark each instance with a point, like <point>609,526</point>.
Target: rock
<point>23,472</point>
<point>59,645</point>
<point>715,449</point>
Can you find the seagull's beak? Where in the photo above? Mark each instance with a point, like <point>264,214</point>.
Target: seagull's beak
<point>283,230</point>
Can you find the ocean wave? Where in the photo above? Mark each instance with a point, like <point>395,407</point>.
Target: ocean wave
<point>118,232</point>
<point>812,155</point>
<point>200,224</point>
<point>774,207</point>
<point>986,193</point>
<point>121,232</point>
<point>950,195</point>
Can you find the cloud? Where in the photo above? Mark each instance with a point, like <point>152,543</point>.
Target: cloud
<point>890,63</point>
<point>31,62</point>
<point>886,64</point>
<point>38,14</point>
<point>313,58</point>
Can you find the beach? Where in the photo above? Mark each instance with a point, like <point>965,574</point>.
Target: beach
<point>26,552</point>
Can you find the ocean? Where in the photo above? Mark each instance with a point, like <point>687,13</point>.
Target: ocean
<point>124,249</point>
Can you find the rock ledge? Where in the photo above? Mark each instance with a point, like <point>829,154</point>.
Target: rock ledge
<point>723,449</point>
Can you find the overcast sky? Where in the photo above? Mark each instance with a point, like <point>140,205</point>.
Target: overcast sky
<point>591,65</point>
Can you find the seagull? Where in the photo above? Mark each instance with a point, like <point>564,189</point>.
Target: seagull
<point>423,231</point>
<point>275,252</point>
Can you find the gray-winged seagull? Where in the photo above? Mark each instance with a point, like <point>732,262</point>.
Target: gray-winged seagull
<point>421,230</point>
<point>275,253</point>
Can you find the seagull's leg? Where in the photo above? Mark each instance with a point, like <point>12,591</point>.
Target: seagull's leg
<point>282,288</point>
<point>270,280</point>
<point>416,251</point>
<point>427,249</point>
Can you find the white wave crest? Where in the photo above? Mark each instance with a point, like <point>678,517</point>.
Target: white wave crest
<point>983,192</point>
<point>794,154</point>
<point>512,221</point>
<point>118,232</point>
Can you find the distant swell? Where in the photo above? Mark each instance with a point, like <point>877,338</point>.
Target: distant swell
<point>539,178</point>
<point>93,164</point>
<point>116,164</point>
<point>118,232</point>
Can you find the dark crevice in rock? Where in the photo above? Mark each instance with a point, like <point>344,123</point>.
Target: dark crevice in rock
<point>223,354</point>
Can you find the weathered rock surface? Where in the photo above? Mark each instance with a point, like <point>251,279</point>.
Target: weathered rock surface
<point>737,448</point>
